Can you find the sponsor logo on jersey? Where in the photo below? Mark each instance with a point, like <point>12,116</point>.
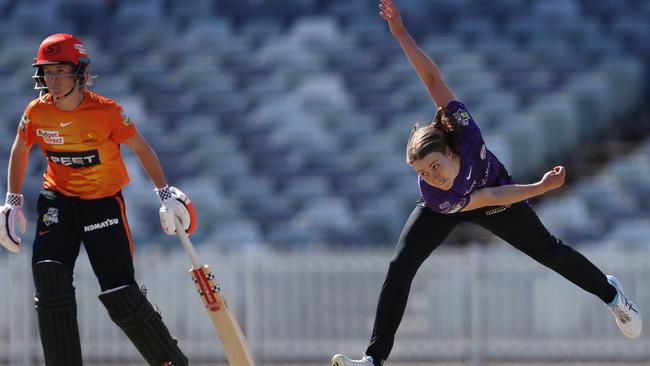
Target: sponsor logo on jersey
<point>487,174</point>
<point>50,137</point>
<point>444,206</point>
<point>51,216</point>
<point>496,210</point>
<point>101,225</point>
<point>471,188</point>
<point>23,123</point>
<point>81,159</point>
<point>462,116</point>
<point>447,207</point>
<point>458,206</point>
<point>126,120</point>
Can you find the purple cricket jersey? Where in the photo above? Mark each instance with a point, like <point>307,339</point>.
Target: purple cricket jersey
<point>478,167</point>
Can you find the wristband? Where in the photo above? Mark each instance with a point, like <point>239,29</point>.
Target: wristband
<point>14,199</point>
<point>164,193</point>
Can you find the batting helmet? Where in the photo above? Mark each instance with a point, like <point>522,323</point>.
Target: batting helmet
<point>61,48</point>
<point>58,49</point>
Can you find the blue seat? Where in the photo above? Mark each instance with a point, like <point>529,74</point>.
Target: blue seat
<point>559,119</point>
<point>210,29</point>
<point>474,26</point>
<point>25,20</point>
<point>302,189</point>
<point>624,76</point>
<point>313,32</point>
<point>602,46</point>
<point>369,30</point>
<point>591,95</point>
<point>525,139</point>
<point>607,201</point>
<point>140,18</point>
<point>325,213</point>
<point>271,213</point>
<point>383,218</point>
<point>631,233</point>
<point>187,10</point>
<point>237,234</point>
<point>283,236</point>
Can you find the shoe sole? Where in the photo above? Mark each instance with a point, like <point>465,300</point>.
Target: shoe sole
<point>336,362</point>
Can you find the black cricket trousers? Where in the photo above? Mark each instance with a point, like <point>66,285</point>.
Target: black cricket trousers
<point>64,222</point>
<point>425,230</point>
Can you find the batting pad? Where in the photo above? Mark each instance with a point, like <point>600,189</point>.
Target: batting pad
<point>57,314</point>
<point>132,312</point>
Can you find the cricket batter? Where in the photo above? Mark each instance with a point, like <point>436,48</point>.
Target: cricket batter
<point>462,181</point>
<point>80,133</point>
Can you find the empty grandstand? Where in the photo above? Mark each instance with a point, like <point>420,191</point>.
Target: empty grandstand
<point>286,120</point>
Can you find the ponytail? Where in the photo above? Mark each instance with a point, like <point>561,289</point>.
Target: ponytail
<point>448,125</point>
<point>441,134</point>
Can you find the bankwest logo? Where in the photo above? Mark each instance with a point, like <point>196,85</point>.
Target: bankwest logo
<point>101,225</point>
<point>82,159</point>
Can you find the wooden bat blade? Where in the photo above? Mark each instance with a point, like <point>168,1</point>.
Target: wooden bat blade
<point>224,322</point>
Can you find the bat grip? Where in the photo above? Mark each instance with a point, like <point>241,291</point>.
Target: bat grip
<point>187,245</point>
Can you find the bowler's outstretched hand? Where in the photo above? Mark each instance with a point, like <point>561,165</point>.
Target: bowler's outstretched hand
<point>391,14</point>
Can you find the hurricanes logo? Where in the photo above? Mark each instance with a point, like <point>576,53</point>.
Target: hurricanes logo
<point>462,117</point>
<point>52,49</point>
<point>51,216</point>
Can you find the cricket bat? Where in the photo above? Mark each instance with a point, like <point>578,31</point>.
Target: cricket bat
<point>224,322</point>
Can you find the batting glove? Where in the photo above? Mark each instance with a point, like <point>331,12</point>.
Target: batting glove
<point>11,214</point>
<point>175,204</point>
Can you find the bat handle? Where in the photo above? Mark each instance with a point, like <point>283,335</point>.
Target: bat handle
<point>187,245</point>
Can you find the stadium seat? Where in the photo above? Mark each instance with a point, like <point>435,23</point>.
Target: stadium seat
<point>300,103</point>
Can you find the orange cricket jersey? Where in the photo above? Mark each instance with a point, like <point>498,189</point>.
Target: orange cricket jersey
<point>81,146</point>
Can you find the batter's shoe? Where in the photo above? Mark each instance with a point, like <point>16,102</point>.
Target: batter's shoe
<point>341,360</point>
<point>625,312</point>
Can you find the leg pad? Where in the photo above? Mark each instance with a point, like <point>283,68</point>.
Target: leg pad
<point>132,312</point>
<point>56,309</point>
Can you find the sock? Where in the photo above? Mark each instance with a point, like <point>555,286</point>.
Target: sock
<point>612,303</point>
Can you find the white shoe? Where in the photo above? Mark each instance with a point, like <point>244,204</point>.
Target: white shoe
<point>625,312</point>
<point>341,360</point>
